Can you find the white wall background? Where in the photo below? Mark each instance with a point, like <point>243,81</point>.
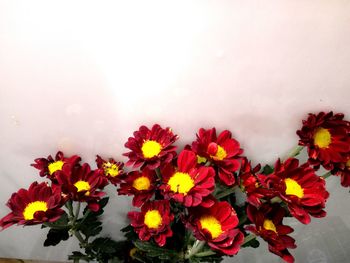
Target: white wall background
<point>81,76</point>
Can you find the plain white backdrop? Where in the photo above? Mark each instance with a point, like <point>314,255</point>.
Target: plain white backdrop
<point>81,76</point>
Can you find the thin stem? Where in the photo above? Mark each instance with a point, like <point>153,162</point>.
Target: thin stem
<point>80,238</point>
<point>197,246</point>
<point>70,208</point>
<point>326,175</point>
<point>205,253</point>
<point>296,151</point>
<point>77,211</point>
<point>226,192</point>
<point>248,238</point>
<point>159,175</point>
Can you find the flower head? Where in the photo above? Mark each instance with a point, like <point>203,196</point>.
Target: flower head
<point>153,221</point>
<point>343,170</point>
<point>139,184</point>
<point>327,138</point>
<point>267,222</point>
<point>111,169</point>
<point>82,184</point>
<point>216,225</point>
<point>151,147</point>
<point>187,183</point>
<point>40,203</point>
<point>300,188</point>
<point>223,151</point>
<point>250,183</point>
<point>49,166</point>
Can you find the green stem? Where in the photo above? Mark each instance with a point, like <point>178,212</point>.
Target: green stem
<point>295,151</point>
<point>50,225</point>
<point>326,175</point>
<point>226,192</point>
<point>80,238</point>
<point>248,238</point>
<point>69,205</point>
<point>159,175</point>
<point>197,246</point>
<point>205,253</point>
<point>77,211</point>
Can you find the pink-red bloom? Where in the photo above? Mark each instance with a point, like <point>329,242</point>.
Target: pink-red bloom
<point>141,185</point>
<point>151,147</point>
<point>82,184</point>
<point>267,222</point>
<point>300,188</point>
<point>223,151</point>
<point>153,221</point>
<point>111,169</point>
<point>327,138</point>
<point>49,166</point>
<point>40,203</point>
<point>343,170</point>
<point>188,184</point>
<point>216,225</point>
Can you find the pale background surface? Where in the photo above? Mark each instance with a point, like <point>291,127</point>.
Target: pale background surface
<point>81,77</point>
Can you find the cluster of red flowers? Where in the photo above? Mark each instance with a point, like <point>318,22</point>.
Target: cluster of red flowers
<point>188,180</point>
<point>195,180</point>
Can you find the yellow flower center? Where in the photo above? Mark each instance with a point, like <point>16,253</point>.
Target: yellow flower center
<point>55,166</point>
<point>181,183</point>
<point>132,252</point>
<point>151,148</point>
<point>83,186</point>
<point>111,169</point>
<point>153,219</point>
<point>293,188</point>
<point>141,183</point>
<point>322,138</point>
<point>34,207</point>
<point>201,159</point>
<point>269,225</point>
<point>220,154</point>
<point>211,224</point>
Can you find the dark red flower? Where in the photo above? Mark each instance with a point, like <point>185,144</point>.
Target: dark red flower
<point>111,169</point>
<point>327,138</point>
<point>250,183</point>
<point>139,184</point>
<point>343,170</point>
<point>40,203</point>
<point>153,221</point>
<point>216,225</point>
<point>81,184</point>
<point>48,166</point>
<point>223,151</point>
<point>151,147</point>
<point>187,183</point>
<point>300,188</point>
<point>268,225</point>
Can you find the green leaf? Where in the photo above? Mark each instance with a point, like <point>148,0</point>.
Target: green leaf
<point>268,169</point>
<point>153,250</point>
<point>90,228</point>
<point>253,243</point>
<point>55,236</point>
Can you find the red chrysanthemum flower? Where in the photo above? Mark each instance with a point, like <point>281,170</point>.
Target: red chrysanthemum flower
<point>111,169</point>
<point>48,166</point>
<point>300,188</point>
<point>81,184</point>
<point>40,203</point>
<point>268,225</point>
<point>151,147</point>
<point>250,183</point>
<point>216,225</point>
<point>188,184</point>
<point>327,138</point>
<point>139,184</point>
<point>153,221</point>
<point>223,151</point>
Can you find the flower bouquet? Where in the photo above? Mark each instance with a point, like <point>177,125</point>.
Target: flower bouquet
<point>198,204</point>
